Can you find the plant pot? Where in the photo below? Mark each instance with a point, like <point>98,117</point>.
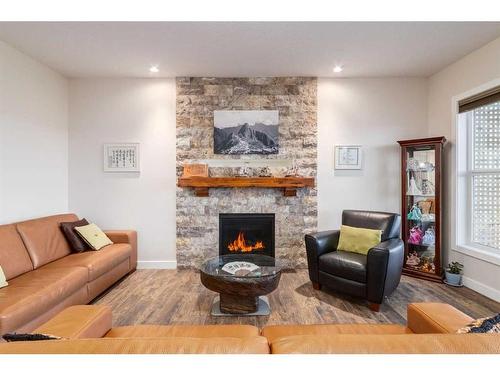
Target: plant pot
<point>453,278</point>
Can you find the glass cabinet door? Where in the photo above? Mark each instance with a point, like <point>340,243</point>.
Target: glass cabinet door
<point>420,213</point>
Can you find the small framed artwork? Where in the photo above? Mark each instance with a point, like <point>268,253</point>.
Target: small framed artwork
<point>348,157</point>
<point>121,157</point>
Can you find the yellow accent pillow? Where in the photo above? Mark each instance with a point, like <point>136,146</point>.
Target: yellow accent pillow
<point>3,279</point>
<point>358,240</point>
<point>94,236</point>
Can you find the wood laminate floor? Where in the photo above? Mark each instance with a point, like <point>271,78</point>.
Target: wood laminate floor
<point>177,297</point>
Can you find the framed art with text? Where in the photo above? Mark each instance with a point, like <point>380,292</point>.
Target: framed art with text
<point>121,157</point>
<point>348,157</point>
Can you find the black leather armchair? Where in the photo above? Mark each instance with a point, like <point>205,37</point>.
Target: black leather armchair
<point>372,276</point>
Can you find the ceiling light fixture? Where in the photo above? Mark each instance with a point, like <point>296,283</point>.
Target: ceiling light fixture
<point>337,69</point>
<point>154,69</point>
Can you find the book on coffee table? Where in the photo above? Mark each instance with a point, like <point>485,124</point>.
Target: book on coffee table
<point>240,268</point>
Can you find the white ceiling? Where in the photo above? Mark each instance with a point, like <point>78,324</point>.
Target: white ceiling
<point>365,49</point>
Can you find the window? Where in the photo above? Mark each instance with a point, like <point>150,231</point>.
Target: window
<point>478,174</point>
<point>485,172</point>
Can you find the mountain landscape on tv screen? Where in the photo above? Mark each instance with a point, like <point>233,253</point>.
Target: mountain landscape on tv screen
<point>252,137</point>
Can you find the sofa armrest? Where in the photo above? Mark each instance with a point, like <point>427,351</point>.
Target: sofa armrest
<point>383,267</point>
<point>125,236</point>
<point>317,244</point>
<point>435,318</point>
<point>79,322</point>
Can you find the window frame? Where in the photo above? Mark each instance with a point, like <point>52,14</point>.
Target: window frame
<point>471,173</point>
<point>464,172</point>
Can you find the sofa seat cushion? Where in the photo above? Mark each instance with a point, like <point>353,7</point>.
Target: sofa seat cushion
<point>351,266</point>
<point>185,331</point>
<point>276,332</point>
<point>97,262</point>
<point>79,322</point>
<point>35,292</point>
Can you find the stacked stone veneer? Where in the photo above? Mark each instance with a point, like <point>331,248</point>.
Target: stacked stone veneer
<point>197,217</point>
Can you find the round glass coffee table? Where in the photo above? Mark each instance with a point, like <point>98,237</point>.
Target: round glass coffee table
<point>242,282</point>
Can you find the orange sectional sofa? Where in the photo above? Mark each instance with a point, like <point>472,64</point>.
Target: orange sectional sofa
<point>45,277</point>
<point>431,329</point>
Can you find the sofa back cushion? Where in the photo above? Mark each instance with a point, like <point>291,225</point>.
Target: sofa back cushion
<point>388,344</point>
<point>14,257</point>
<point>389,223</point>
<point>44,239</point>
<point>142,345</point>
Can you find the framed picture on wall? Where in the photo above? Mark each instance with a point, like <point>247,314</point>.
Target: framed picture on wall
<point>121,157</point>
<point>246,132</point>
<point>348,157</point>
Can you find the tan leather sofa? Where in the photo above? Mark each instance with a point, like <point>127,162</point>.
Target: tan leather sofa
<point>431,329</point>
<point>45,277</point>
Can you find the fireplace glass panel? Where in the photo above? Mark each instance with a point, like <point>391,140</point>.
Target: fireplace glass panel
<point>246,234</point>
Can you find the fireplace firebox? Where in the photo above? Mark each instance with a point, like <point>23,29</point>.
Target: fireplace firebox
<point>246,234</point>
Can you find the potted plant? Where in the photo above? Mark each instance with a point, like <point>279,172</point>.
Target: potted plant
<point>454,273</point>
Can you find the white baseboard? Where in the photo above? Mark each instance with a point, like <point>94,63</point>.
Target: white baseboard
<point>485,290</point>
<point>156,264</point>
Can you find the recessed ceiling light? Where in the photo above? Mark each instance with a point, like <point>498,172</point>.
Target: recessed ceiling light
<point>337,69</point>
<point>154,69</point>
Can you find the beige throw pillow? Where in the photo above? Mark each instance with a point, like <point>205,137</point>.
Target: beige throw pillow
<point>94,236</point>
<point>358,240</point>
<point>3,279</point>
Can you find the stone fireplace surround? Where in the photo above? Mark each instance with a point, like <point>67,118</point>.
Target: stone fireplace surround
<point>197,218</point>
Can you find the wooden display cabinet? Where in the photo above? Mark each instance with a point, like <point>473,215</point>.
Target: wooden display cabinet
<point>421,179</point>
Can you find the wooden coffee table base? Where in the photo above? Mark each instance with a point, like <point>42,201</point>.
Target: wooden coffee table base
<point>262,309</point>
<point>231,304</point>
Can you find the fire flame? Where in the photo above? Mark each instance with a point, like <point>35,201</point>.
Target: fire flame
<point>240,244</point>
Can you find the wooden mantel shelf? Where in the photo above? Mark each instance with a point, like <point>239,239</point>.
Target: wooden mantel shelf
<point>288,184</point>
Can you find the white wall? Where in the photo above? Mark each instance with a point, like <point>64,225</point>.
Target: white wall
<point>374,113</point>
<point>126,110</point>
<point>474,70</point>
<point>33,138</point>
